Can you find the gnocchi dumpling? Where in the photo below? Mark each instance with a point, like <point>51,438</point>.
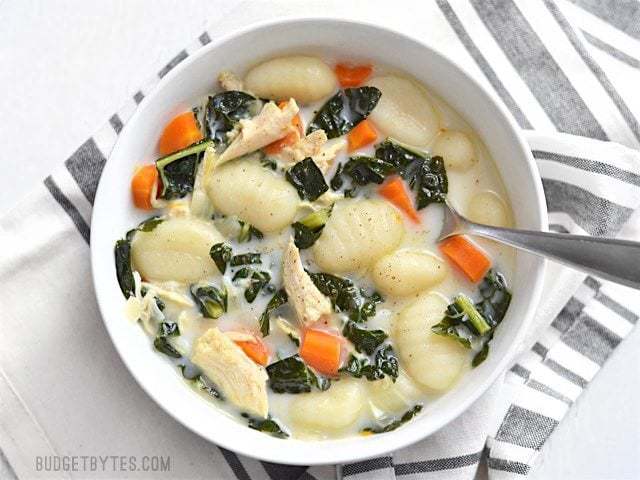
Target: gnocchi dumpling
<point>331,410</point>
<point>304,78</point>
<point>176,249</point>
<point>404,111</point>
<point>386,396</point>
<point>456,149</point>
<point>431,360</point>
<point>406,272</point>
<point>357,234</point>
<point>488,208</point>
<point>253,193</point>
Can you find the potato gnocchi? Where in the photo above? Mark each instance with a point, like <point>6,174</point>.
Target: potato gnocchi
<point>290,271</point>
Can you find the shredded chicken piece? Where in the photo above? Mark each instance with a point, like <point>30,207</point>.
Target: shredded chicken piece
<point>307,301</point>
<point>308,146</point>
<point>269,125</point>
<point>324,159</point>
<point>229,81</point>
<point>241,381</point>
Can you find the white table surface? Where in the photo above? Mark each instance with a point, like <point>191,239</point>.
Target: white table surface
<point>66,66</point>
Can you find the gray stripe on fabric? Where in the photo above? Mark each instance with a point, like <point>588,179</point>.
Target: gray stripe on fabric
<point>544,77</point>
<point>68,207</point>
<point>367,466</point>
<point>589,166</point>
<point>475,53</point>
<point>565,373</point>
<point>615,97</point>
<point>568,315</point>
<point>593,284</point>
<point>437,464</point>
<point>284,472</point>
<point>138,97</point>
<point>525,428</point>
<point>594,214</point>
<point>508,466</point>
<point>621,310</point>
<point>174,61</point>
<point>204,38</point>
<point>611,50</point>
<point>116,123</point>
<point>622,14</point>
<point>591,339</point>
<point>521,371</point>
<point>85,166</point>
<point>541,387</point>
<point>540,349</point>
<point>234,463</point>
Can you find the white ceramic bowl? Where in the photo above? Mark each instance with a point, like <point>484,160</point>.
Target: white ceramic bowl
<point>114,214</point>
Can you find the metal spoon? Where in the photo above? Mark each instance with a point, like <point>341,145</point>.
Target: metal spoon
<point>615,260</point>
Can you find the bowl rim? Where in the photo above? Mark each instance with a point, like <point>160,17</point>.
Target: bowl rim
<point>393,440</point>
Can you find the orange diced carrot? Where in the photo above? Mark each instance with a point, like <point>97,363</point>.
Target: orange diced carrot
<point>396,192</point>
<point>179,133</point>
<point>142,185</point>
<point>361,135</point>
<point>465,255</point>
<point>349,76</point>
<point>321,350</point>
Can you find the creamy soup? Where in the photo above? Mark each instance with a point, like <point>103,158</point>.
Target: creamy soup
<point>291,269</point>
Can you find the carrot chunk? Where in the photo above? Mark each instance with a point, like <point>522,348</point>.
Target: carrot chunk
<point>361,135</point>
<point>321,350</point>
<point>396,192</point>
<point>179,133</point>
<point>289,139</point>
<point>255,350</point>
<point>142,185</point>
<point>352,76</point>
<point>472,261</point>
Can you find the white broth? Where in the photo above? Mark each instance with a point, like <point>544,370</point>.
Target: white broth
<point>297,285</point>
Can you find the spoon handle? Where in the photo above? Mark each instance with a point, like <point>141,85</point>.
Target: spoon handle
<point>615,260</point>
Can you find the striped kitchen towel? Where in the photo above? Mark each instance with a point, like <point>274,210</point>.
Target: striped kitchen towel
<point>567,71</point>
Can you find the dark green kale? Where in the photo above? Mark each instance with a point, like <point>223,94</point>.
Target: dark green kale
<point>211,301</point>
<point>365,170</point>
<point>384,363</point>
<point>225,110</point>
<point>364,340</point>
<point>308,179</point>
<point>279,299</point>
<point>345,110</point>
<point>178,170</point>
<point>308,230</point>
<point>207,386</point>
<point>245,259</point>
<point>248,232</point>
<point>162,345</point>
<point>346,297</point>
<point>267,425</point>
<point>124,271</point>
<point>168,329</point>
<point>257,282</point>
<point>220,253</point>
<point>337,182</point>
<point>408,415</point>
<point>291,375</point>
<point>426,175</point>
<point>470,323</point>
<point>150,224</point>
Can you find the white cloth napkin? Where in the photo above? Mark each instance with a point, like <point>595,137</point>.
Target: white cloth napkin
<point>64,392</point>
